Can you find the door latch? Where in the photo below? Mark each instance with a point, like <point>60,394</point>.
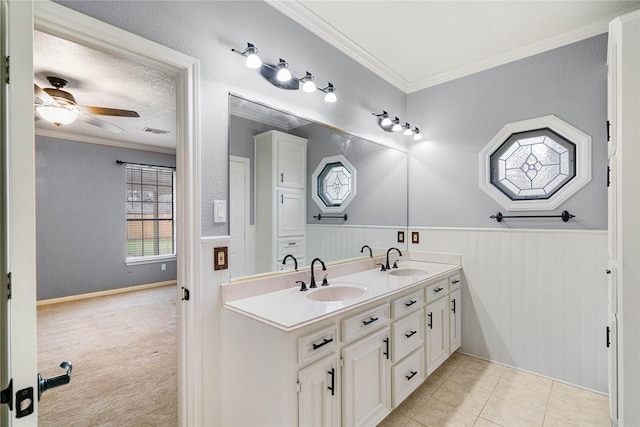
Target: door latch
<point>6,395</point>
<point>45,384</point>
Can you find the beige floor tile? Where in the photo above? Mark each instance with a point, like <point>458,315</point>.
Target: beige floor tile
<point>483,366</point>
<point>550,421</point>
<point>438,414</point>
<point>448,367</point>
<point>413,423</point>
<point>468,375</point>
<point>418,398</point>
<point>481,422</point>
<point>524,388</point>
<point>395,419</point>
<point>507,413</point>
<point>577,406</point>
<point>467,398</point>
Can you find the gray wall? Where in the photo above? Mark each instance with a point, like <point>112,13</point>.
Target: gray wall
<point>81,219</point>
<point>207,30</point>
<point>460,117</point>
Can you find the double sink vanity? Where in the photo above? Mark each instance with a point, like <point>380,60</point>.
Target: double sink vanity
<point>343,354</point>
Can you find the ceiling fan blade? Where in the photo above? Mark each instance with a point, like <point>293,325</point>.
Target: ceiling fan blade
<point>100,123</point>
<point>102,111</point>
<point>44,96</point>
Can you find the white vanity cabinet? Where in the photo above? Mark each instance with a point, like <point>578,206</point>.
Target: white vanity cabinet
<point>455,313</point>
<point>280,197</point>
<point>349,369</point>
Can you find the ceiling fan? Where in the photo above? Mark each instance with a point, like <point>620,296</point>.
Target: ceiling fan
<point>59,107</point>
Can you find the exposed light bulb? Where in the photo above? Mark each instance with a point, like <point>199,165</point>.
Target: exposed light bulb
<point>58,115</point>
<point>284,75</point>
<point>308,86</point>
<point>253,61</point>
<point>396,125</point>
<point>330,96</point>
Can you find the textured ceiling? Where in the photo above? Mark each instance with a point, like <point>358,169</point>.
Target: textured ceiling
<point>417,44</point>
<point>100,79</point>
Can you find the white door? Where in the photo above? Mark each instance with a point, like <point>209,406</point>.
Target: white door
<point>366,385</point>
<point>238,214</point>
<point>437,333</point>
<point>19,356</point>
<point>319,398</point>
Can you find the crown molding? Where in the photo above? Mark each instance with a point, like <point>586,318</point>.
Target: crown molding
<point>321,28</point>
<point>102,141</point>
<point>297,11</point>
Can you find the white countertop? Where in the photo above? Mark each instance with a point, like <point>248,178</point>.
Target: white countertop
<point>289,309</point>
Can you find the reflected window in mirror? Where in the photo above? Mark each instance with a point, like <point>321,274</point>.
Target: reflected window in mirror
<point>333,184</point>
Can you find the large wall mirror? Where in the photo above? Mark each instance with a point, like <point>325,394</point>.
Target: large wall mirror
<point>274,159</point>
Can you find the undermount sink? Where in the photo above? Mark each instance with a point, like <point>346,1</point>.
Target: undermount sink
<point>336,293</point>
<point>408,271</point>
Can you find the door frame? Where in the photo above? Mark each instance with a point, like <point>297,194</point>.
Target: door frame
<point>246,162</point>
<point>71,25</point>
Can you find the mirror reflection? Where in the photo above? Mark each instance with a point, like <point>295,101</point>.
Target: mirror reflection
<point>275,166</point>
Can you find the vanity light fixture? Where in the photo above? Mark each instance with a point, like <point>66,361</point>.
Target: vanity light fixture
<point>388,125</point>
<point>280,76</point>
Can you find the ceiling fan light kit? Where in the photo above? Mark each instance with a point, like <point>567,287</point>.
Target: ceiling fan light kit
<point>59,107</point>
<point>281,77</point>
<point>388,125</point>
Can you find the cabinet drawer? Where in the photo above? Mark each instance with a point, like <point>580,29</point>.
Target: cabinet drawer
<point>318,343</point>
<point>407,304</point>
<point>454,282</point>
<point>293,246</point>
<point>407,334</point>
<point>437,290</point>
<point>361,324</point>
<point>407,376</point>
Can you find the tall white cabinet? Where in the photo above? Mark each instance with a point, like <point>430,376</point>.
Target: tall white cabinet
<point>623,328</point>
<point>280,198</point>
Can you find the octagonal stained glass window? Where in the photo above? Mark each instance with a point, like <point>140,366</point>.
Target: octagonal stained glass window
<point>334,184</point>
<point>533,164</point>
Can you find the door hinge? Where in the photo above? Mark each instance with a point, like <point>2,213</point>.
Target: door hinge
<point>6,395</point>
<point>6,69</point>
<point>9,286</point>
<point>298,387</point>
<point>185,294</point>
<point>608,131</point>
<point>608,337</point>
<point>608,176</point>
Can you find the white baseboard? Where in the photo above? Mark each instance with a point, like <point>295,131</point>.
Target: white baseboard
<point>106,293</point>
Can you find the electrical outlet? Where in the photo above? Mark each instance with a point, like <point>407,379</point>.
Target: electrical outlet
<point>400,236</point>
<point>415,237</point>
<point>220,258</point>
<point>163,267</point>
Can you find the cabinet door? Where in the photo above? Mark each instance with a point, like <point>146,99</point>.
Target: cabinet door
<point>292,163</point>
<point>291,212</point>
<point>319,397</point>
<point>612,344</point>
<point>455,324</point>
<point>437,333</point>
<point>366,389</point>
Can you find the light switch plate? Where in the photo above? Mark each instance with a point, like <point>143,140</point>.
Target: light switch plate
<point>219,211</point>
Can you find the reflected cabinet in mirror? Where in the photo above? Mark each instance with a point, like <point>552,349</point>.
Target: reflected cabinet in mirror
<point>293,191</point>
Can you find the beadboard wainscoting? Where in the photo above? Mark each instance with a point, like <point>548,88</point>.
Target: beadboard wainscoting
<point>533,299</point>
<point>345,241</point>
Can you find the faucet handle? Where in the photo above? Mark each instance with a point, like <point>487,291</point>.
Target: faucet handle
<point>395,264</point>
<point>303,287</point>
<point>324,281</point>
<point>382,267</point>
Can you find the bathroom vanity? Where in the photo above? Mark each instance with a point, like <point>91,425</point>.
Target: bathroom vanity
<point>345,354</point>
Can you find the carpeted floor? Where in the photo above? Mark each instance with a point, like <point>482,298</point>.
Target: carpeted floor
<point>123,349</point>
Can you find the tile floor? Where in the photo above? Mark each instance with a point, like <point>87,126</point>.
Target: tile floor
<point>466,391</point>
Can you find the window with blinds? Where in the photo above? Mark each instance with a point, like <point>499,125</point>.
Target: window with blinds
<point>150,212</point>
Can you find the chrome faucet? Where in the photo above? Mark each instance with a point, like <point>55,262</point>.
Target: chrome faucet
<point>394,265</point>
<point>284,261</point>
<point>313,277</point>
<point>370,251</point>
